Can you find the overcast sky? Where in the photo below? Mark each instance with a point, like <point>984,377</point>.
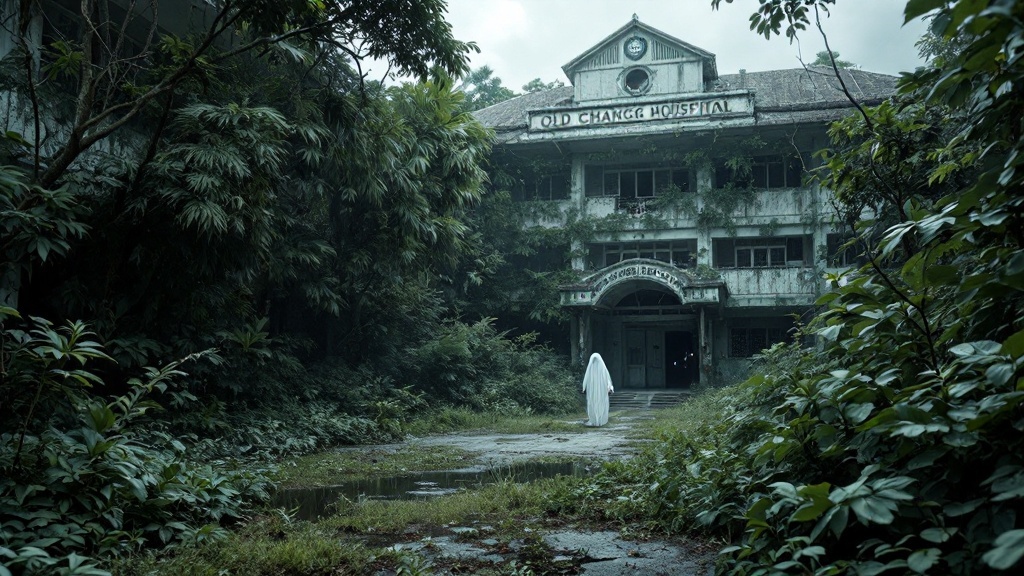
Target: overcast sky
<point>526,39</point>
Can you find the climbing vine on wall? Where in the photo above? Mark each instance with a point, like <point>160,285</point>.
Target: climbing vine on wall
<point>542,237</point>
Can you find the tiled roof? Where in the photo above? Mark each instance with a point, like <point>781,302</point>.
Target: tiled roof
<point>807,88</point>
<point>809,94</point>
<point>511,114</point>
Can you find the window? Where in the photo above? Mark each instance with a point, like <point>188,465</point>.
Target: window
<point>59,25</point>
<point>752,336</point>
<point>760,252</point>
<point>634,182</point>
<point>841,253</point>
<point>679,253</point>
<point>762,173</point>
<point>547,187</point>
<point>637,81</point>
<point>760,256</point>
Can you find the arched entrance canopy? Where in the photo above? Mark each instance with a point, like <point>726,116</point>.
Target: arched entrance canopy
<point>604,288</point>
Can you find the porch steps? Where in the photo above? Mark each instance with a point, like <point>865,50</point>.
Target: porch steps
<point>646,399</point>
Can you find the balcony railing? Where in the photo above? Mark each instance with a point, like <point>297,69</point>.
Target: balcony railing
<point>632,206</point>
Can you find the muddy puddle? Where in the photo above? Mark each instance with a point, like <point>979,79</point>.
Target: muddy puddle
<point>317,502</point>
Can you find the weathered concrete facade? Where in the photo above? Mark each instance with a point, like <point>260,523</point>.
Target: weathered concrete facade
<point>712,239</point>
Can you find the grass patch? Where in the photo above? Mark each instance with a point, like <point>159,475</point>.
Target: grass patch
<point>268,546</point>
<point>359,538</point>
<point>447,420</point>
<point>327,468</point>
<point>500,503</point>
<point>694,414</point>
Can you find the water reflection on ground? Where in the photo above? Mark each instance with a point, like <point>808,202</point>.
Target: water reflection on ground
<point>317,502</point>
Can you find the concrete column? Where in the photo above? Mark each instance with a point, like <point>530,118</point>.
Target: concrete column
<point>576,191</point>
<point>10,20</point>
<point>705,353</point>
<point>578,197</point>
<point>704,180</point>
<point>586,339</point>
<point>9,23</point>
<point>575,346</point>
<point>704,248</point>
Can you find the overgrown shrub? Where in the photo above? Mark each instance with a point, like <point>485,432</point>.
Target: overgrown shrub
<point>475,365</point>
<point>84,477</point>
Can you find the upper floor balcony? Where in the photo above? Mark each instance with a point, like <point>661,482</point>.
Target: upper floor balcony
<point>786,206</point>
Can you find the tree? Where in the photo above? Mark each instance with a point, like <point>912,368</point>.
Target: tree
<point>193,153</point>
<point>895,446</point>
<point>406,178</point>
<point>537,85</point>
<point>936,49</point>
<point>483,89</point>
<point>823,59</point>
<point>109,96</point>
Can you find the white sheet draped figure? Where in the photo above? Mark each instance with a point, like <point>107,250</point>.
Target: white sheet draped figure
<point>597,383</point>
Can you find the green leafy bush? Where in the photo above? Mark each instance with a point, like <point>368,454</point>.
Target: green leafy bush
<point>82,477</point>
<point>474,365</point>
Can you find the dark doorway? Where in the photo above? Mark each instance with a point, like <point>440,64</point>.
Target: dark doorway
<point>680,359</point>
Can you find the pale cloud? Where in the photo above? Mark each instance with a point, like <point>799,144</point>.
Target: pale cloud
<point>497,21</point>
<point>526,39</point>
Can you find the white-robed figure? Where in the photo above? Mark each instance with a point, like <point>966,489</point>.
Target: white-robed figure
<point>597,383</point>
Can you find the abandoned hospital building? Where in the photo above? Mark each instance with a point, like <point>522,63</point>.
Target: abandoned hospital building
<point>707,238</point>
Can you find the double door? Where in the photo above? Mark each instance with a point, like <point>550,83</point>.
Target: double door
<point>659,358</point>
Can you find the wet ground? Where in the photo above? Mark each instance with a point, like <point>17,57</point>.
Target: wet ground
<point>609,442</point>
<point>550,547</point>
<point>470,550</point>
<point>320,501</point>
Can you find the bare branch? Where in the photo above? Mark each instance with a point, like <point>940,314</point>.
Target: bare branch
<point>25,15</point>
<point>835,68</point>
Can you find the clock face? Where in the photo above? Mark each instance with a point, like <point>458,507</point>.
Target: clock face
<point>635,47</point>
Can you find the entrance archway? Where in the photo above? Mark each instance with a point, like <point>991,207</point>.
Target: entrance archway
<point>646,318</point>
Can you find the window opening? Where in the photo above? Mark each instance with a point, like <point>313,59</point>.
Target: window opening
<point>841,253</point>
<point>634,186</point>
<point>762,172</point>
<point>760,252</point>
<point>678,253</point>
<point>746,341</point>
<point>544,187</point>
<point>637,81</point>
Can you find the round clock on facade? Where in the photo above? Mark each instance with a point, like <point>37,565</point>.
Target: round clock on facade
<point>635,47</point>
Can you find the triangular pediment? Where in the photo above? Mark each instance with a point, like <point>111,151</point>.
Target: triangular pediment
<point>656,47</point>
